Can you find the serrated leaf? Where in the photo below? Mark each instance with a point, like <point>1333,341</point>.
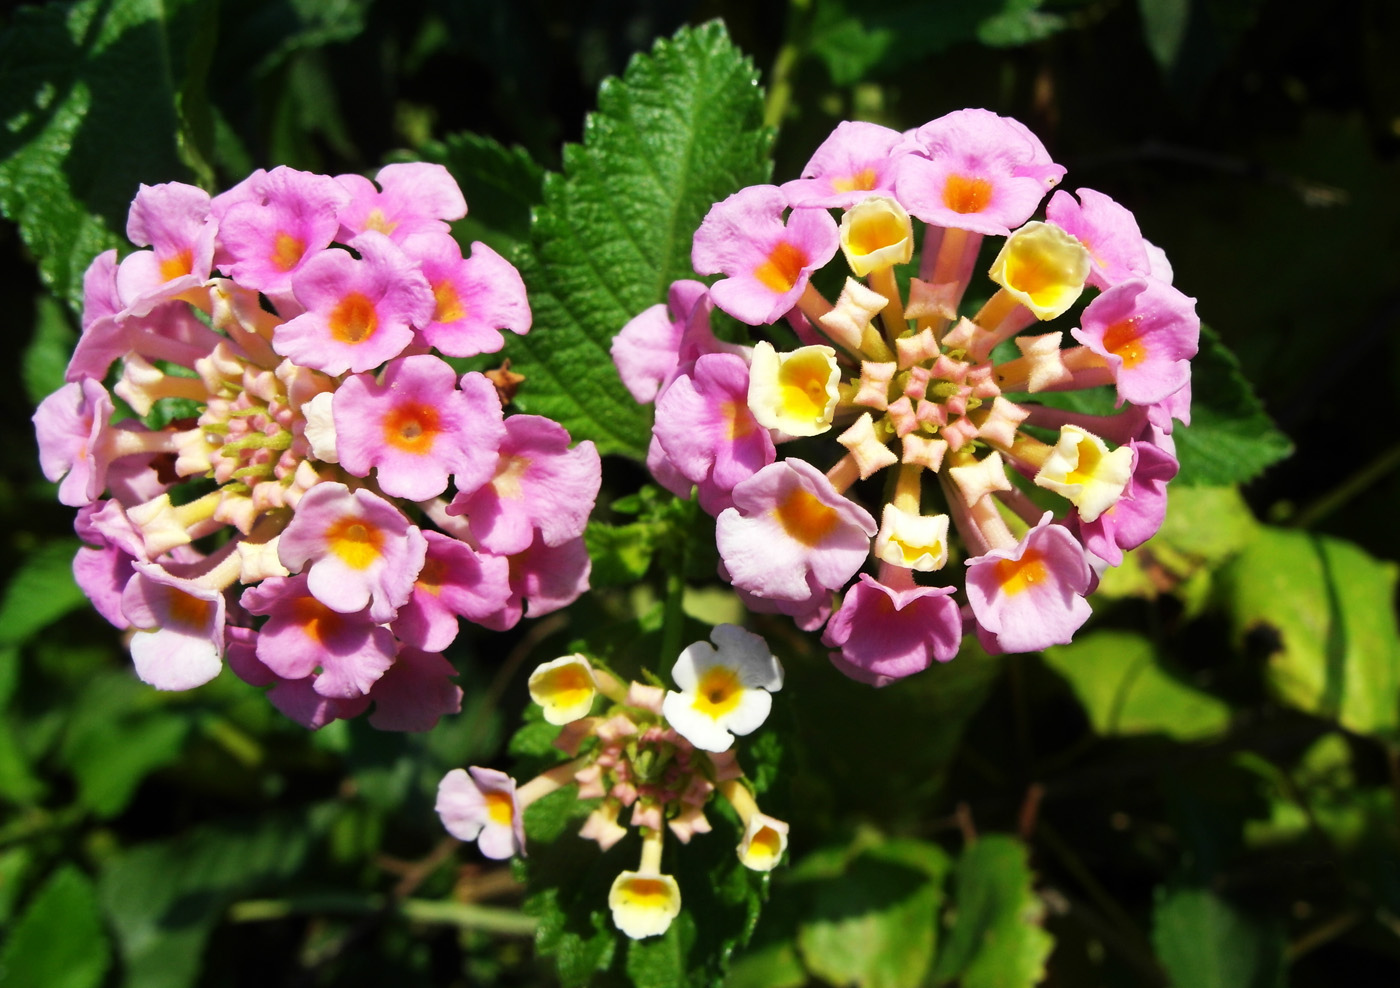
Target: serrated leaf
<point>875,923</point>
<point>502,186</point>
<point>621,554</point>
<point>1231,439</point>
<point>681,130</point>
<point>59,941</point>
<point>1122,686</point>
<point>1323,610</point>
<point>164,898</point>
<point>997,940</point>
<point>41,592</point>
<point>88,101</point>
<point>1204,942</point>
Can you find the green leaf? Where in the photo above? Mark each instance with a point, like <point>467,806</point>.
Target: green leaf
<point>119,733</point>
<point>58,942</point>
<point>1164,28</point>
<point>1231,439</point>
<point>997,940</point>
<point>1323,610</point>
<point>87,96</point>
<point>857,40</point>
<point>41,592</point>
<point>46,357</point>
<point>680,131</point>
<point>164,898</point>
<point>875,922</point>
<point>18,783</point>
<point>502,186</point>
<point>1119,680</point>
<point>621,554</point>
<point>1204,942</point>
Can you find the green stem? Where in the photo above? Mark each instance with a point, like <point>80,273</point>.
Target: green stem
<point>467,915</point>
<point>1353,486</point>
<point>785,64</point>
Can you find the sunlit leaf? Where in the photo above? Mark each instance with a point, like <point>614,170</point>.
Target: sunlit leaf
<point>680,131</point>
<point>1119,679</point>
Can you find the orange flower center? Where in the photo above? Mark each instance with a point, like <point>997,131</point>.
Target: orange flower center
<point>783,267</point>
<point>287,251</point>
<point>1122,340</point>
<point>966,195</point>
<point>354,320</point>
<point>1019,575</point>
<point>412,428</point>
<point>355,541</point>
<point>806,518</point>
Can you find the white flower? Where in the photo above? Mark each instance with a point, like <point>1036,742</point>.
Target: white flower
<point>725,690</point>
<point>564,688</point>
<point>644,903</point>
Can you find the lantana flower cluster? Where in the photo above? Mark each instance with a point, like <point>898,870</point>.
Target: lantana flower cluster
<point>659,756</point>
<point>946,449</point>
<point>306,487</point>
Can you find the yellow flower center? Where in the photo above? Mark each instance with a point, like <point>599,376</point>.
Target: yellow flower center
<point>718,692</point>
<point>806,518</point>
<point>355,541</point>
<point>1019,575</point>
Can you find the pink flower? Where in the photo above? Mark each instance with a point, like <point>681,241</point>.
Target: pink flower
<point>343,654</point>
<point>415,693</point>
<point>359,313</point>
<point>973,170</point>
<point>179,625</point>
<point>481,806</point>
<point>174,221</point>
<point>1139,513</point>
<point>766,263</point>
<point>788,526</point>
<point>705,425</point>
<point>1148,332</point>
<point>274,222</point>
<point>856,161</point>
<point>885,633</point>
<point>70,425</point>
<point>296,698</point>
<point>416,197</point>
<point>415,428</point>
<point>540,484</point>
<point>1117,251</point>
<point>362,550</point>
<point>455,580</point>
<point>648,350</point>
<point>1031,596</point>
<point>543,579</point>
<point>474,298</point>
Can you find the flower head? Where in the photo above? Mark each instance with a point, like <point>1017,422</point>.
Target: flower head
<point>480,805</point>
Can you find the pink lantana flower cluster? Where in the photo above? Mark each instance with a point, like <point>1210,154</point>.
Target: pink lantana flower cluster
<point>659,755</point>
<point>945,450</point>
<point>326,496</point>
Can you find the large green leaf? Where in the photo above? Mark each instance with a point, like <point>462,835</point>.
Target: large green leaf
<point>1204,942</point>
<point>164,898</point>
<point>874,921</point>
<point>1322,609</point>
<point>58,942</point>
<point>87,92</point>
<point>680,131</point>
<point>1119,679</point>
<point>997,940</point>
<point>42,591</point>
<point>1231,438</point>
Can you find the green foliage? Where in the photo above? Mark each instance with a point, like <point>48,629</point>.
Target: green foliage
<point>502,185</point>
<point>1204,942</point>
<point>680,131</point>
<point>163,898</point>
<point>59,941</point>
<point>40,592</point>
<point>1231,439</point>
<point>1321,613</point>
<point>1119,678</point>
<point>88,97</point>
<point>857,40</point>
<point>872,911</point>
<point>996,940</point>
